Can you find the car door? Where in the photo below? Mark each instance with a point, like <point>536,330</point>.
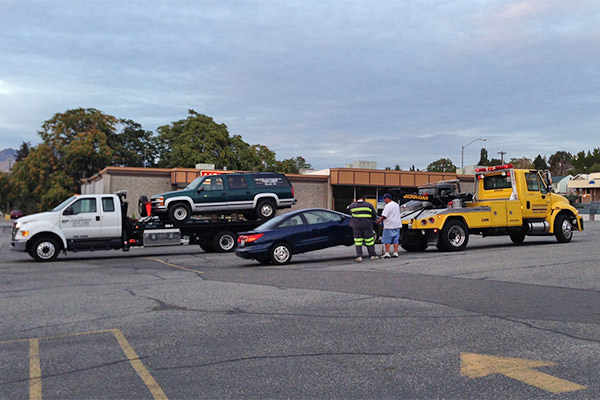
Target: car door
<point>325,229</point>
<point>295,231</point>
<point>110,218</point>
<point>212,194</point>
<point>82,220</point>
<point>537,199</point>
<point>239,197</point>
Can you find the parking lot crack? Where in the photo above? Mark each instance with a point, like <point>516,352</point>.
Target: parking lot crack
<point>274,357</point>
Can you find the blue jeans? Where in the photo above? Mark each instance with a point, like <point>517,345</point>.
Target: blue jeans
<point>390,236</point>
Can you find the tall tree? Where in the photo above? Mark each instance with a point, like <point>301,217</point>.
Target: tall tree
<point>522,163</point>
<point>23,151</point>
<point>136,148</point>
<point>442,165</point>
<point>483,158</point>
<point>560,163</point>
<point>540,163</point>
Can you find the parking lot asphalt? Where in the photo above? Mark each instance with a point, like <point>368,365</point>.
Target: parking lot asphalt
<point>495,321</point>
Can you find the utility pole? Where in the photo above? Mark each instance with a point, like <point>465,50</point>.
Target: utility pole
<point>502,153</point>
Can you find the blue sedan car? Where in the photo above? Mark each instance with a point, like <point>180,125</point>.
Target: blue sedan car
<point>295,232</point>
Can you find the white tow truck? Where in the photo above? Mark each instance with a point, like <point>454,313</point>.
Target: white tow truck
<point>100,222</point>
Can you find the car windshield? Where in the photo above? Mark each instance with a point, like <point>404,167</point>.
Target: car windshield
<point>63,204</point>
<point>193,184</point>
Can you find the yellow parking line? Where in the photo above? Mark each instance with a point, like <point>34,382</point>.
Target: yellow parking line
<point>35,372</point>
<point>173,265</point>
<point>139,367</point>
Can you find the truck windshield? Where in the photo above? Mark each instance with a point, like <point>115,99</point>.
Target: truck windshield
<point>63,204</point>
<point>193,184</point>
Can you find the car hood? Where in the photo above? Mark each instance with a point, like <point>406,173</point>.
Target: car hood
<point>48,215</point>
<point>169,194</point>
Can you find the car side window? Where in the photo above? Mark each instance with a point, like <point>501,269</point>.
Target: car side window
<point>84,206</point>
<point>319,217</point>
<point>213,183</point>
<point>237,182</point>
<point>292,221</point>
<point>108,204</point>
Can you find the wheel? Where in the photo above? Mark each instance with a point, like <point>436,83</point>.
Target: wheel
<point>142,206</point>
<point>179,212</point>
<point>45,248</point>
<point>414,246</point>
<point>224,242</point>
<point>563,230</point>
<point>454,236</point>
<point>265,209</point>
<point>281,254</point>
<point>517,238</point>
<point>206,246</point>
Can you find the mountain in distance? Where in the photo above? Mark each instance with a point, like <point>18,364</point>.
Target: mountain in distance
<point>7,159</point>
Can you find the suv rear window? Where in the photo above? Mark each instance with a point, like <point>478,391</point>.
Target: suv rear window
<point>271,180</point>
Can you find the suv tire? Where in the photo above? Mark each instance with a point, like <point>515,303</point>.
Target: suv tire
<point>265,209</point>
<point>179,212</point>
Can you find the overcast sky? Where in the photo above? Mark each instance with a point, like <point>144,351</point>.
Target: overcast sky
<point>398,82</point>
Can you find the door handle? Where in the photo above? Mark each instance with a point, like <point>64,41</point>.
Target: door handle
<point>528,205</point>
<point>97,218</point>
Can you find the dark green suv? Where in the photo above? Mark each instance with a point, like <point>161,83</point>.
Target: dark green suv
<point>255,194</point>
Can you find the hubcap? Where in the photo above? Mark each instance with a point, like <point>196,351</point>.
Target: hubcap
<point>226,242</point>
<point>567,229</point>
<point>180,213</point>
<point>45,250</point>
<point>456,236</point>
<point>266,210</point>
<point>281,254</point>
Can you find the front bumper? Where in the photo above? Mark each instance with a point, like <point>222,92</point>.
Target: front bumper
<point>18,245</point>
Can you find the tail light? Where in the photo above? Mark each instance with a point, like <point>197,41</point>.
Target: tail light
<point>249,238</point>
<point>293,192</point>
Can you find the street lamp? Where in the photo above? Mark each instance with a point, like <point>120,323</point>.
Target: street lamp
<point>462,150</point>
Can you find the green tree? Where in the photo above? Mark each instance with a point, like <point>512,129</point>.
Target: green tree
<point>442,165</point>
<point>23,151</point>
<point>522,163</point>
<point>560,162</point>
<point>540,163</point>
<point>292,165</point>
<point>483,158</point>
<point>137,147</point>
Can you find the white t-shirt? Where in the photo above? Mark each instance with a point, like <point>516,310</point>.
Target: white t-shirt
<point>392,219</point>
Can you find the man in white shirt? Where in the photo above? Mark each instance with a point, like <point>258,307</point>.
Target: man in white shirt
<point>391,225</point>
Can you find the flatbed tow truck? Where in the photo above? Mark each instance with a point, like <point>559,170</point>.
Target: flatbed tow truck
<point>100,222</point>
<point>507,201</point>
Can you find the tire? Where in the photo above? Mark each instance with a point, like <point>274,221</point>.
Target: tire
<point>142,206</point>
<point>265,209</point>
<point>454,236</point>
<point>413,243</point>
<point>179,212</point>
<point>517,238</point>
<point>281,254</point>
<point>45,248</point>
<point>225,242</point>
<point>414,247</point>
<point>563,229</point>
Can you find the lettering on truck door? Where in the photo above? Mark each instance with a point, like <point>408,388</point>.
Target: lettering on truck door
<point>537,199</point>
<point>81,220</point>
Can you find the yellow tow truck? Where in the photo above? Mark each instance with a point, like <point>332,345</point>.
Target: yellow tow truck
<point>506,201</point>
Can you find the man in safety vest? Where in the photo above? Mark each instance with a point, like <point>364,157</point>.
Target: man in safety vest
<point>363,216</point>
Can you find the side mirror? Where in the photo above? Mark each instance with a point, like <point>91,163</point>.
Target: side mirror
<point>200,188</point>
<point>68,211</point>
